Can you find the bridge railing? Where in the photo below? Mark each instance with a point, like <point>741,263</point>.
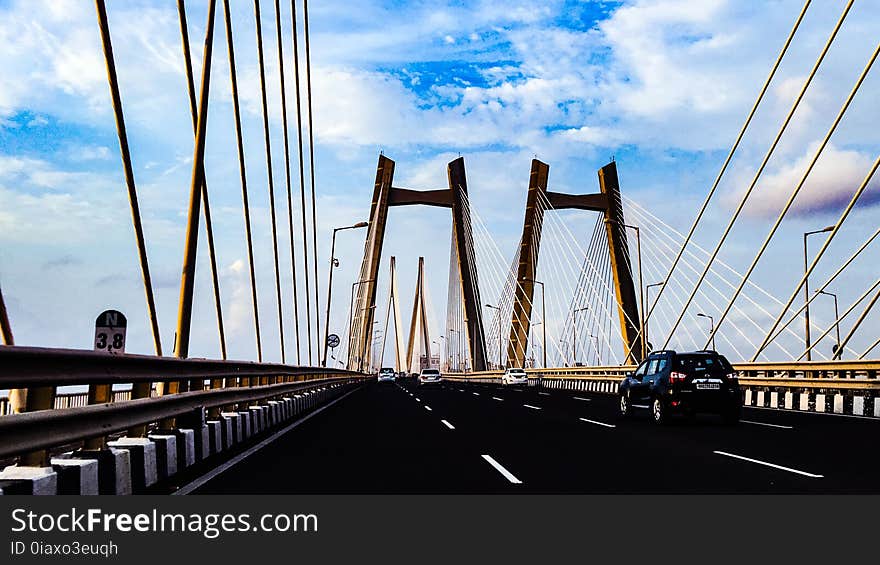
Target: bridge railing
<point>74,420</point>
<point>842,387</point>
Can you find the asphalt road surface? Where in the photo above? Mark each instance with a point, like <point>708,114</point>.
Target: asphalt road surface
<point>472,438</point>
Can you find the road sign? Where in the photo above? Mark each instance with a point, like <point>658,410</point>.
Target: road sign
<point>110,332</point>
<point>332,341</point>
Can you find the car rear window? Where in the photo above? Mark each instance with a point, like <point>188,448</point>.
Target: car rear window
<point>693,362</point>
<point>431,372</point>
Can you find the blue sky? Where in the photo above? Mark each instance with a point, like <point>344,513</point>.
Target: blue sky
<point>662,86</point>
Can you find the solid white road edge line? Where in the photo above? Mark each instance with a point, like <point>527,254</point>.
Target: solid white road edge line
<point>507,474</point>
<point>598,423</point>
<point>766,424</point>
<point>765,463</point>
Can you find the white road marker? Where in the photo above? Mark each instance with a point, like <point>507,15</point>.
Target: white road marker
<point>545,393</point>
<point>759,462</point>
<point>418,399</point>
<point>448,425</point>
<point>598,423</point>
<point>476,394</point>
<point>766,424</point>
<point>645,406</point>
<point>428,408</point>
<point>532,407</point>
<point>496,398</point>
<point>581,398</point>
<point>507,474</point>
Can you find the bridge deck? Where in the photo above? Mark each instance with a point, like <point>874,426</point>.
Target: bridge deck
<point>383,439</point>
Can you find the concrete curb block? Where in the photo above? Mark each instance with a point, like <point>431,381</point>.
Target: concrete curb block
<point>76,476</point>
<point>28,480</point>
<point>142,454</point>
<point>166,454</point>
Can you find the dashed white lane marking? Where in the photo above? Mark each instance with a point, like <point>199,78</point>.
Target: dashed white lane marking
<point>496,398</point>
<point>598,423</point>
<point>448,425</point>
<point>645,406</point>
<point>461,390</point>
<point>476,394</point>
<point>428,408</point>
<point>765,463</point>
<point>418,399</point>
<point>581,398</point>
<point>507,474</point>
<point>532,407</point>
<point>545,393</point>
<point>766,424</point>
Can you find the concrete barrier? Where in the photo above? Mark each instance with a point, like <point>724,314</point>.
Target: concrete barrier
<point>142,456</point>
<point>28,480</point>
<point>166,454</point>
<point>76,476</point>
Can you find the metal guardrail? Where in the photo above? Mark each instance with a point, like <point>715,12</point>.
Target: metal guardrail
<point>815,374</point>
<point>47,428</point>
<point>73,420</point>
<point>845,387</point>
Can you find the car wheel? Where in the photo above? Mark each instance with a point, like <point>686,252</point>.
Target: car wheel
<point>625,406</point>
<point>658,411</point>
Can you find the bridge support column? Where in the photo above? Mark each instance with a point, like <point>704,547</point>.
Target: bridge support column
<point>624,287</point>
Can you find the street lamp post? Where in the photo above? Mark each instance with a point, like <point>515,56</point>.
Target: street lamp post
<point>711,327</point>
<point>836,319</point>
<point>641,289</point>
<point>543,318</point>
<point>648,288</point>
<point>598,357</point>
<point>807,289</point>
<point>333,263</point>
<point>574,326</point>
<point>499,332</point>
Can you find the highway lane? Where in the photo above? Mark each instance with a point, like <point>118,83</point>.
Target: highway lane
<point>472,438</point>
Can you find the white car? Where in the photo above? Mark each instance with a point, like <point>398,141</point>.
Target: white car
<point>386,374</point>
<point>514,376</point>
<point>429,376</point>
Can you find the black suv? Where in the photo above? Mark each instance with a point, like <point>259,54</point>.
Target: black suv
<point>669,382</point>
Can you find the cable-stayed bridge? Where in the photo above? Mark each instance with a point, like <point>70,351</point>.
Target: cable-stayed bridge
<point>578,308</point>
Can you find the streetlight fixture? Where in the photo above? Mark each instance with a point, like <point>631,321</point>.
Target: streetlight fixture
<point>836,319</point>
<point>807,289</point>
<point>543,317</point>
<point>333,264</point>
<point>499,331</point>
<point>598,357</point>
<point>641,287</point>
<point>574,326</point>
<point>647,289</point>
<point>711,326</point>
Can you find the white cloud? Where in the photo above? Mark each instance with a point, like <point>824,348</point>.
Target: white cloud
<point>829,187</point>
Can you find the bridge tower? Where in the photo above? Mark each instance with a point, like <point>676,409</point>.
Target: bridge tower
<point>608,202</point>
<point>385,195</point>
<point>418,326</point>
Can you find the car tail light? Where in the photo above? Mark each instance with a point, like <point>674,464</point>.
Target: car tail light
<point>677,377</point>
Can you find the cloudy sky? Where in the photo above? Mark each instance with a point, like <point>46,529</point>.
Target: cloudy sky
<point>661,86</point>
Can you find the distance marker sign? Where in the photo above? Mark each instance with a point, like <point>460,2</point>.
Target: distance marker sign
<point>110,332</point>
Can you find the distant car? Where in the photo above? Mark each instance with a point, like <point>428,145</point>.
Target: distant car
<point>429,377</point>
<point>669,382</point>
<point>386,374</point>
<point>514,376</point>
